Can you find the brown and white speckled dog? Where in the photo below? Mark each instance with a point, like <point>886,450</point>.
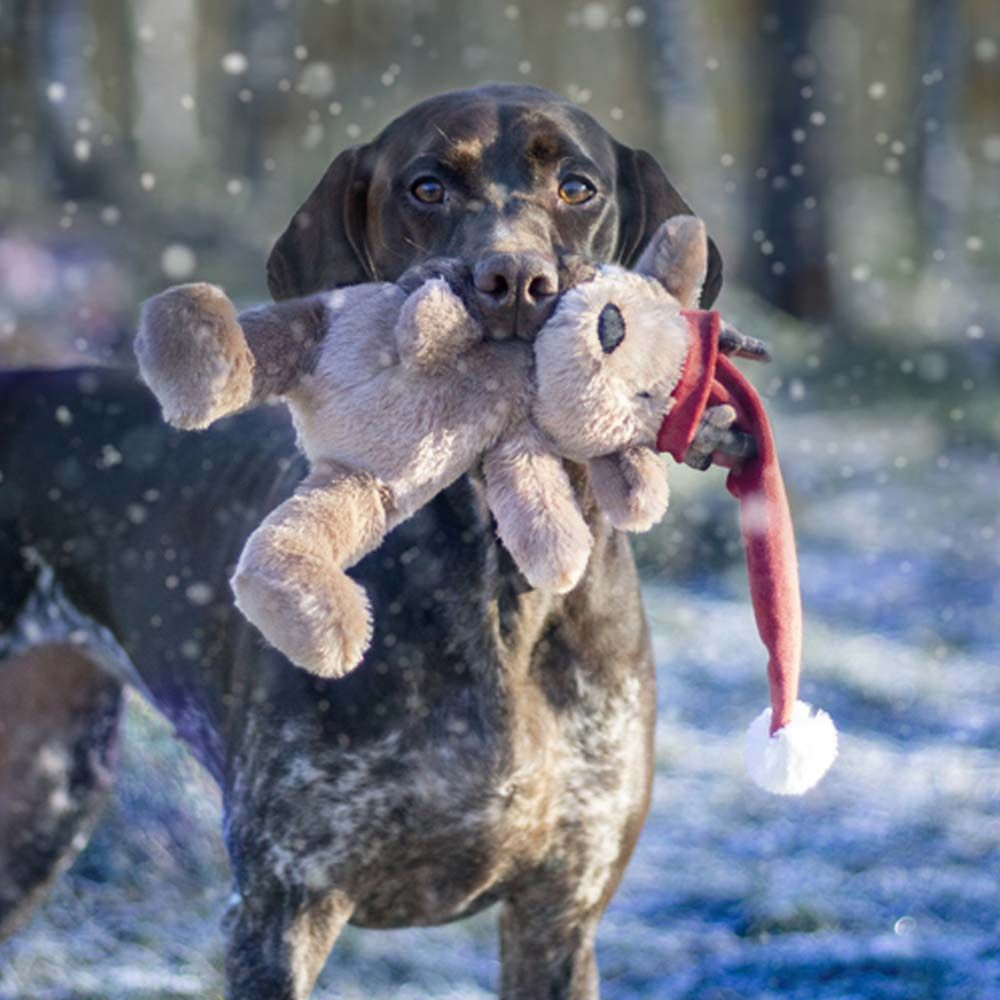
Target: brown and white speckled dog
<point>495,745</point>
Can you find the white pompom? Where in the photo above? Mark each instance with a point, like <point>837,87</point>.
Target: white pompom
<point>795,758</point>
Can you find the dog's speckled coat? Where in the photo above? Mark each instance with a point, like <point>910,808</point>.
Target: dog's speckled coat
<point>495,745</point>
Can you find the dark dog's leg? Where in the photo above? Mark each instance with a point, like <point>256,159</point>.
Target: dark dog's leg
<point>278,942</point>
<point>58,731</point>
<point>546,952</point>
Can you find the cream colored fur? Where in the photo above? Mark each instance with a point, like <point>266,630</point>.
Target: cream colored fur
<point>605,406</point>
<point>393,398</point>
<point>198,337</point>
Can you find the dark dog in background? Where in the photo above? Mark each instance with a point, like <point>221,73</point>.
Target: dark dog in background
<point>496,743</point>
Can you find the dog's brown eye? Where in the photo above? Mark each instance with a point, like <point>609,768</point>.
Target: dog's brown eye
<point>429,190</point>
<point>575,191</point>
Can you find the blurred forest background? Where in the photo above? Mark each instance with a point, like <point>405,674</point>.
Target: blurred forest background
<point>846,156</point>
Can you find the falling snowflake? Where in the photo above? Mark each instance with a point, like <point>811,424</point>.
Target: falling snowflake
<point>317,80</point>
<point>986,49</point>
<point>178,261</point>
<point>234,63</point>
<point>635,17</point>
<point>199,593</point>
<point>595,16</point>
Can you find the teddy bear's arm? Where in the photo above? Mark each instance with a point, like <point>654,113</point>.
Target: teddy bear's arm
<point>538,518</point>
<point>290,580</point>
<point>203,362</point>
<point>630,487</point>
<point>434,328</point>
<point>283,337</point>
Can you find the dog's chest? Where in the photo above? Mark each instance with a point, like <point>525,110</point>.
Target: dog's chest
<point>421,829</point>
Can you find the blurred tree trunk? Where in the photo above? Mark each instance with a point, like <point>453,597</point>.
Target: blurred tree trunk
<point>114,74</point>
<point>682,120</point>
<point>68,91</point>
<point>937,175</point>
<point>234,125</point>
<point>789,201</point>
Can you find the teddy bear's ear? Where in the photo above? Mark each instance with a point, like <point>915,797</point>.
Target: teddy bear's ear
<point>646,197</point>
<point>677,256</point>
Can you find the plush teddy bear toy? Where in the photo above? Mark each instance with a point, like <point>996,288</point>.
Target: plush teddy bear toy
<point>627,368</point>
<point>394,396</point>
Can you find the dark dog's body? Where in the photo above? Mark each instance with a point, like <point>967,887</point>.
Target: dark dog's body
<point>496,742</point>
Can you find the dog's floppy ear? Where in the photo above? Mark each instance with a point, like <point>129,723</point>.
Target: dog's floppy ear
<point>646,199</point>
<point>324,244</point>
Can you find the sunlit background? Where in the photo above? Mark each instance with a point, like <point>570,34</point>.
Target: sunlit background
<point>846,157</point>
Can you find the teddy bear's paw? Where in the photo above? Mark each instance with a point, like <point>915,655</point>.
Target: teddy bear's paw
<point>434,327</point>
<point>639,510</point>
<point>324,628</point>
<point>631,488</point>
<point>556,556</point>
<point>194,356</point>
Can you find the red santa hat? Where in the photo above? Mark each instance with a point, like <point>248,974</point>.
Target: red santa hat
<point>788,746</point>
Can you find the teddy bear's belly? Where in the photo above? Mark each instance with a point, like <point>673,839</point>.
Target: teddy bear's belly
<point>416,435</point>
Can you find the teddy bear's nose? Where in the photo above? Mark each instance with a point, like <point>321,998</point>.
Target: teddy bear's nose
<point>516,292</point>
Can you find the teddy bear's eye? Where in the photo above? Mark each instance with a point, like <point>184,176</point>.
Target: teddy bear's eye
<point>645,395</point>
<point>610,327</point>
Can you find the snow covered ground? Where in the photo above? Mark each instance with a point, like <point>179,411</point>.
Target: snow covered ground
<point>882,883</point>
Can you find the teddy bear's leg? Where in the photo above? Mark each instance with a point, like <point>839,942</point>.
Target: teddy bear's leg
<point>193,355</point>
<point>434,327</point>
<point>630,487</point>
<point>538,517</point>
<point>290,580</point>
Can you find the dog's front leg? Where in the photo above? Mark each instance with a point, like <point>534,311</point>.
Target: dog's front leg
<point>276,945</point>
<point>545,953</point>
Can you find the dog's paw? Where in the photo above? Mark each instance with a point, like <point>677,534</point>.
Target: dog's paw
<point>193,355</point>
<point>324,627</point>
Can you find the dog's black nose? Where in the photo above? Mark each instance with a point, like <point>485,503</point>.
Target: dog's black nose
<point>516,292</point>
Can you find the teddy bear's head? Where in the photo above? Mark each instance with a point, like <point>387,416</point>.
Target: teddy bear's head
<point>613,350</point>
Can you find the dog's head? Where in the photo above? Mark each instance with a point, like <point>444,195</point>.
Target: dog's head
<point>520,185</point>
